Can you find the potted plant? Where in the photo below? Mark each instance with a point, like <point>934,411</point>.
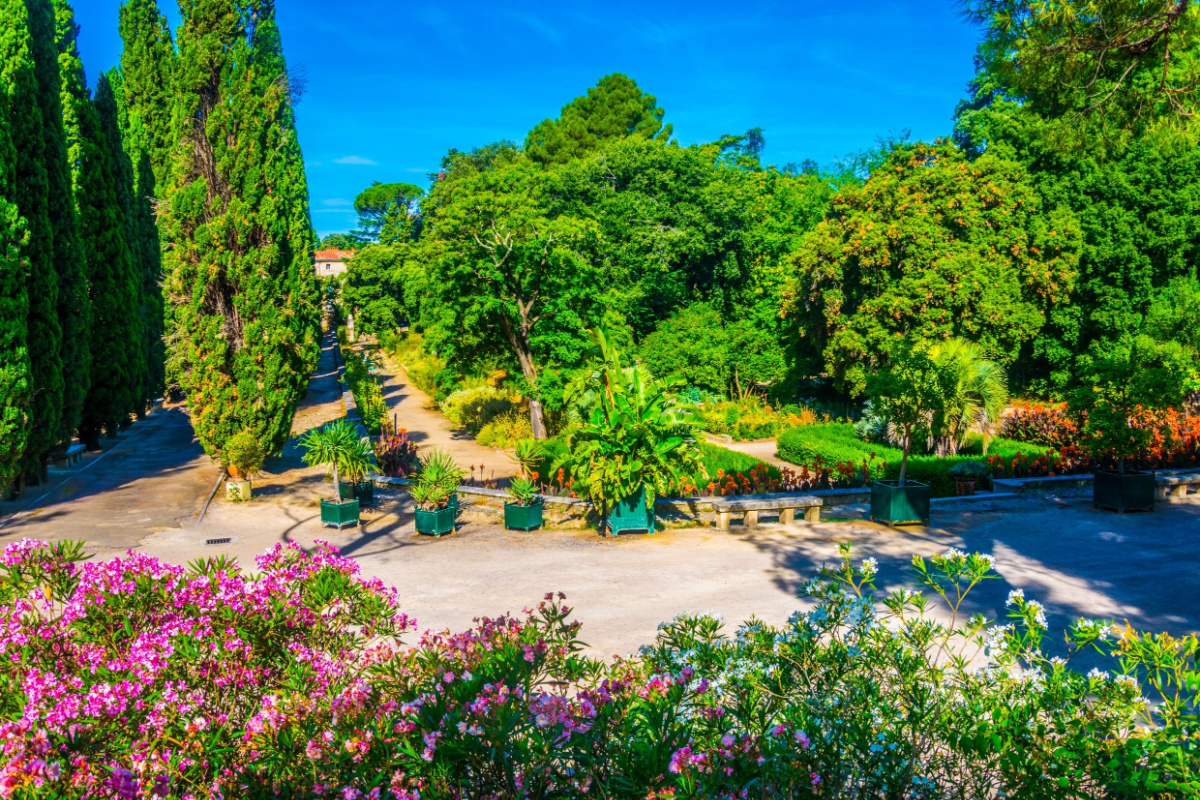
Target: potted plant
<point>968,475</point>
<point>523,511</point>
<point>638,442</point>
<point>909,392</point>
<point>1122,381</point>
<point>338,447</point>
<point>244,457</point>
<point>435,493</point>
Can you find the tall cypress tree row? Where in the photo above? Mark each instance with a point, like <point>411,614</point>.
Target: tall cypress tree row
<point>17,109</point>
<point>44,334</point>
<point>74,312</point>
<point>239,269</point>
<point>145,98</point>
<point>142,239</point>
<point>114,337</point>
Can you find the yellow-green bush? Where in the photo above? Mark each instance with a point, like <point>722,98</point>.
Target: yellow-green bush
<point>505,429</point>
<point>477,406</point>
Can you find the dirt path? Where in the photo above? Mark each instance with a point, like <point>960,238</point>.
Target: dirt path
<point>417,413</point>
<point>764,450</point>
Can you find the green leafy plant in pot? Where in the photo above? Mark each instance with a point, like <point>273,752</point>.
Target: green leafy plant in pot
<point>244,457</point>
<point>910,392</point>
<point>435,493</point>
<point>968,476</point>
<point>1121,380</point>
<point>637,442</point>
<point>338,447</point>
<point>523,510</point>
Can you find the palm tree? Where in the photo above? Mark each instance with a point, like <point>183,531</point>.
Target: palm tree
<point>978,391</point>
<point>337,445</point>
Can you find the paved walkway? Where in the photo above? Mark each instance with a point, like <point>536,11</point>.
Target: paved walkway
<point>416,412</point>
<point>154,476</point>
<point>763,450</point>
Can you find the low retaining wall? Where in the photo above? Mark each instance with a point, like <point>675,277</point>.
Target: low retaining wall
<point>572,512</point>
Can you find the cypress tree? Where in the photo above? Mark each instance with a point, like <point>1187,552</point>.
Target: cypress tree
<point>239,269</point>
<point>141,235</point>
<point>145,98</point>
<point>114,338</point>
<point>43,333</point>
<point>17,109</point>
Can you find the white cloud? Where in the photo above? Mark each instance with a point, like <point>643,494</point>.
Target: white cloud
<point>357,161</point>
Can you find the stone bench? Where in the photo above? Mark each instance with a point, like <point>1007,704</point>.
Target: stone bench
<point>72,456</point>
<point>1176,484</point>
<point>750,505</point>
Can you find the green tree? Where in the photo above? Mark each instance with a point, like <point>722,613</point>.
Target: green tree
<point>375,202</point>
<point>141,236</point>
<point>615,108</point>
<point>931,246</point>
<point>910,391</point>
<point>1103,70</point>
<point>497,277</point>
<point>17,108</point>
<point>976,397</point>
<point>115,339</point>
<point>341,241</point>
<point>147,81</point>
<point>239,269</point>
<point>691,347</point>
<point>373,289</point>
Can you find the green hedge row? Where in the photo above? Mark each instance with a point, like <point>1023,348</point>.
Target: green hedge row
<point>835,443</point>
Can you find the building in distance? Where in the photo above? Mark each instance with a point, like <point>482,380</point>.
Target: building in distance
<point>328,263</point>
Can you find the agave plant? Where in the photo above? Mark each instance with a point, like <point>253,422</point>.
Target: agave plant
<point>438,468</point>
<point>527,454</point>
<point>523,492</point>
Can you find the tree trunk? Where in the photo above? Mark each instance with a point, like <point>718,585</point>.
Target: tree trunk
<point>904,458</point>
<point>337,484</point>
<point>536,419</point>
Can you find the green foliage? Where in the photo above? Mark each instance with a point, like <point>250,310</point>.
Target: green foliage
<point>114,388</point>
<point>1119,379</point>
<point>148,65</point>
<point>831,444</point>
<point>977,392</point>
<point>375,202</point>
<point>428,372</point>
<point>528,453</point>
<point>338,447</point>
<point>475,407</point>
<point>970,469</point>
<point>749,418</point>
<point>523,492</point>
<point>614,109</point>
<point>341,241</point>
<point>690,347</point>
<point>715,458</point>
<point>372,288</point>
<point>244,456</point>
<point>1103,70</point>
<point>16,108</point>
<point>438,479</point>
<point>911,391</point>
<point>506,430</point>
<point>636,435</point>
<point>240,280</point>
<point>931,246</point>
<point>368,394</point>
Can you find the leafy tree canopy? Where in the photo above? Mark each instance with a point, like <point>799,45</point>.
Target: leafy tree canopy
<point>615,108</point>
<point>932,245</point>
<point>374,203</point>
<point>1102,70</point>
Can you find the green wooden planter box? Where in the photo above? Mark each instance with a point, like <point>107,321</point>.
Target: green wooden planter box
<point>364,492</point>
<point>346,491</point>
<point>1132,491</point>
<point>523,518</point>
<point>631,514</point>
<point>436,523</point>
<point>895,504</point>
<point>339,515</point>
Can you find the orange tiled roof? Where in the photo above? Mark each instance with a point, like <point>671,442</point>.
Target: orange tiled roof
<point>333,255</point>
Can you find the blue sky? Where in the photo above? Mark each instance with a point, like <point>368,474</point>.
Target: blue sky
<point>393,85</point>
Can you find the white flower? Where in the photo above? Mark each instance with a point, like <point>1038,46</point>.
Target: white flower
<point>1097,674</point>
<point>954,553</point>
<point>1014,596</point>
<point>991,562</point>
<point>1127,680</point>
<point>870,566</point>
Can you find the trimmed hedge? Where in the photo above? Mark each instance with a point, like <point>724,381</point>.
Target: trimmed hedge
<point>835,443</point>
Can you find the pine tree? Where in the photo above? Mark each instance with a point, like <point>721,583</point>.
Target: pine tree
<point>239,270</point>
<point>17,108</point>
<point>114,337</point>
<point>72,306</point>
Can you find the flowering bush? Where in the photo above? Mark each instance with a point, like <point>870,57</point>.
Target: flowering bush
<point>133,678</point>
<point>1045,425</point>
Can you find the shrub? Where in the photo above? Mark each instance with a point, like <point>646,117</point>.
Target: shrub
<point>427,371</point>
<point>293,681</point>
<point>750,418</point>
<point>368,395</point>
<point>1043,425</point>
<point>244,455</point>
<point>830,443</point>
<point>505,430</point>
<point>475,407</point>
